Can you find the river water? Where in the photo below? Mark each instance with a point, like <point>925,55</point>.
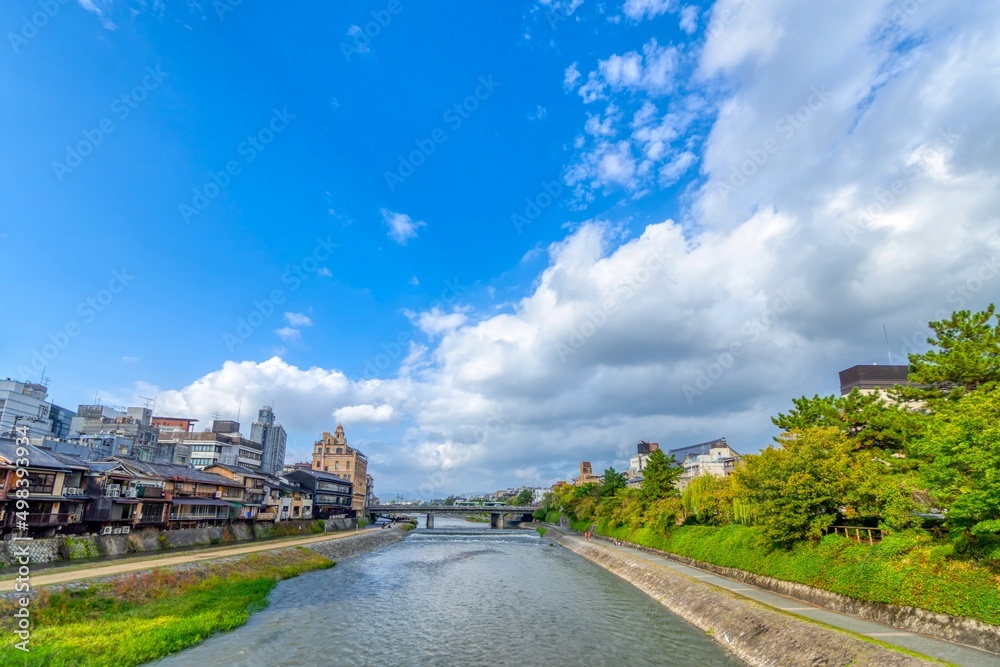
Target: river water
<point>463,595</point>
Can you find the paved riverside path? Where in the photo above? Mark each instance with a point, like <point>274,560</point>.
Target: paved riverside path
<point>941,649</point>
<point>75,572</point>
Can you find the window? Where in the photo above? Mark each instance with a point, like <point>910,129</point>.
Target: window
<point>40,482</point>
<point>336,465</point>
<point>340,450</point>
<point>348,465</point>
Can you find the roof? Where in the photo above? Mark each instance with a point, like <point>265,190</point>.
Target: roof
<point>170,471</point>
<point>37,458</point>
<point>107,466</point>
<point>240,470</point>
<point>69,459</point>
<point>323,476</point>
<point>682,453</point>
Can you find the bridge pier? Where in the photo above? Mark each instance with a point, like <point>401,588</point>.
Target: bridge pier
<point>496,520</point>
<point>430,520</point>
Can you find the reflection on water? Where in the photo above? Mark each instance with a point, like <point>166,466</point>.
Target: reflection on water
<point>460,594</point>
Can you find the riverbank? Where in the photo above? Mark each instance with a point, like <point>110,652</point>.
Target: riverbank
<point>757,634</point>
<point>895,582</point>
<point>125,621</point>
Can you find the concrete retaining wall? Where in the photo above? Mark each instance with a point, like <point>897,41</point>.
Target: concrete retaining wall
<point>75,547</point>
<point>956,629</point>
<point>758,635</point>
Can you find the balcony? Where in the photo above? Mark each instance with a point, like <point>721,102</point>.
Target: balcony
<point>41,519</point>
<point>150,492</point>
<point>266,516</point>
<point>113,491</point>
<point>72,491</point>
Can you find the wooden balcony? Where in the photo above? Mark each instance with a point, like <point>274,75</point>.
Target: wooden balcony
<point>266,516</point>
<point>41,519</point>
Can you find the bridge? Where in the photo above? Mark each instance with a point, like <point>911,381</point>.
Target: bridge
<point>496,512</point>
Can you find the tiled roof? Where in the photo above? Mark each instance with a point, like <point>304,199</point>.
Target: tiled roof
<point>170,471</point>
<point>37,458</point>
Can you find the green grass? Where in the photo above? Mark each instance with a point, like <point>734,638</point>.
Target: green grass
<point>581,526</point>
<point>904,569</point>
<point>542,530</point>
<point>140,618</point>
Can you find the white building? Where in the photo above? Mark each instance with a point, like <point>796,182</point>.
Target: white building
<point>27,405</point>
<point>714,457</point>
<point>272,438</point>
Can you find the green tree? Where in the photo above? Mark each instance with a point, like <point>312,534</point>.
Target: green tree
<point>659,477</point>
<point>612,482</point>
<point>961,460</point>
<point>967,355</point>
<point>524,498</point>
<point>797,488</point>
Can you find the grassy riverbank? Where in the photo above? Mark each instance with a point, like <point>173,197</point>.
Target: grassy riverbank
<point>136,619</point>
<point>904,569</point>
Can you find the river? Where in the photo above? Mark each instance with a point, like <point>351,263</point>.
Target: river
<point>463,595</point>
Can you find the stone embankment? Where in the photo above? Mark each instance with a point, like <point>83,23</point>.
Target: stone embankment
<point>78,547</point>
<point>336,549</point>
<point>967,631</point>
<point>756,634</point>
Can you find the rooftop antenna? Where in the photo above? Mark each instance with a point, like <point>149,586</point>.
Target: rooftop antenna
<point>149,402</point>
<point>239,409</point>
<point>887,348</point>
<point>216,415</point>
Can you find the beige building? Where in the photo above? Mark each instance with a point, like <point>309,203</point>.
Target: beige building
<point>586,475</point>
<point>333,455</point>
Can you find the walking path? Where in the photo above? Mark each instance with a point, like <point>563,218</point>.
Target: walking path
<point>157,559</point>
<point>929,646</point>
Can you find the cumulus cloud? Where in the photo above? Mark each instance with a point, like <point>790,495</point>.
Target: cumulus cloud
<point>364,414</point>
<point>689,19</point>
<point>848,178</point>
<point>402,227</point>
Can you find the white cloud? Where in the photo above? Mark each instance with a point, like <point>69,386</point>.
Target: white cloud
<point>91,6</point>
<point>364,414</point>
<point>571,77</point>
<point>325,272</point>
<point>130,360</point>
<point>651,72</point>
<point>298,320</point>
<point>539,113</point>
<point>288,334</point>
<point>759,292</point>
<point>689,19</point>
<point>402,227</point>
<point>639,9</point>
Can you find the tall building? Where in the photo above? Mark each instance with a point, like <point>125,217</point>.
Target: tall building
<point>586,475</point>
<point>26,403</point>
<point>272,438</point>
<point>333,455</point>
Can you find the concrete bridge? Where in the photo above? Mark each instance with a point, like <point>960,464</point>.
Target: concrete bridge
<point>496,512</point>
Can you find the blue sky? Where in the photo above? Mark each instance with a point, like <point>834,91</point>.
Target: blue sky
<point>430,310</point>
